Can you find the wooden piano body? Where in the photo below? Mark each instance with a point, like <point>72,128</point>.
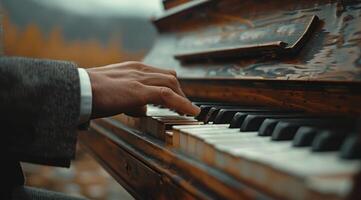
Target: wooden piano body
<point>303,55</point>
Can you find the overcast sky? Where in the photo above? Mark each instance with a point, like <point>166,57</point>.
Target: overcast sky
<point>146,8</point>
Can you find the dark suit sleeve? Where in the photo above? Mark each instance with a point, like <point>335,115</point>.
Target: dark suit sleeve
<point>39,110</point>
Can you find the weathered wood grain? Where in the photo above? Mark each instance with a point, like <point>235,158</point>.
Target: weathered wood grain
<point>312,96</point>
<point>330,57</point>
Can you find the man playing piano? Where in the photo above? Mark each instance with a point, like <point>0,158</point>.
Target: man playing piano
<point>43,102</point>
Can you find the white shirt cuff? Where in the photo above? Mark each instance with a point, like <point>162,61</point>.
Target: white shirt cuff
<point>85,96</point>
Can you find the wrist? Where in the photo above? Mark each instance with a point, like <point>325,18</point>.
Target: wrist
<point>95,79</point>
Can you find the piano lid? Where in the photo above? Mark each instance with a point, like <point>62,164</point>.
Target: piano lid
<point>237,40</point>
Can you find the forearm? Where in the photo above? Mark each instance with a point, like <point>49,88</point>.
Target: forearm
<point>39,103</point>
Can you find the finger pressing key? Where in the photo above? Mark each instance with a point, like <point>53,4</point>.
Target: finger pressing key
<point>168,98</point>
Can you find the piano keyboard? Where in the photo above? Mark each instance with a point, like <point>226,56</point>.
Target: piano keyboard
<point>319,152</point>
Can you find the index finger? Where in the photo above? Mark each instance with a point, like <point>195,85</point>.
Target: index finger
<point>168,98</point>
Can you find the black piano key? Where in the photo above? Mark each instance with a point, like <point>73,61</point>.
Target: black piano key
<point>237,120</point>
<point>284,130</point>
<point>304,136</point>
<point>206,106</point>
<point>351,147</point>
<point>287,128</point>
<point>267,127</point>
<point>225,116</point>
<point>212,113</point>
<point>204,111</point>
<point>253,121</point>
<point>205,114</point>
<point>328,140</point>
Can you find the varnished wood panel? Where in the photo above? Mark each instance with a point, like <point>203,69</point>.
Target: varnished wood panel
<point>332,53</point>
<point>140,180</point>
<point>311,96</point>
<point>323,76</point>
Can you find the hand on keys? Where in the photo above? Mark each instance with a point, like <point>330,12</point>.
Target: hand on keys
<point>127,87</point>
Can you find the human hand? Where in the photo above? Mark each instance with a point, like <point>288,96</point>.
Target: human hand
<point>127,87</point>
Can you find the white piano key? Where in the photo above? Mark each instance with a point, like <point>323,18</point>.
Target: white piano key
<point>194,140</point>
<point>246,155</point>
<point>155,111</point>
<point>282,155</point>
<point>237,156</point>
<point>182,132</point>
<point>189,136</point>
<point>191,139</point>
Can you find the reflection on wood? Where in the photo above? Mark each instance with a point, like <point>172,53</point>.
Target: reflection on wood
<point>332,52</point>
<point>309,96</point>
<point>30,41</point>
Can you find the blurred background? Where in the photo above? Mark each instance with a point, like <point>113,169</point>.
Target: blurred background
<point>90,33</point>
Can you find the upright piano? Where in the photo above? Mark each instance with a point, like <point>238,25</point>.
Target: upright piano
<point>279,87</point>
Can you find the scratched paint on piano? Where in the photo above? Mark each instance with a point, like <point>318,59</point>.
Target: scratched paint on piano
<point>332,53</point>
<point>283,38</point>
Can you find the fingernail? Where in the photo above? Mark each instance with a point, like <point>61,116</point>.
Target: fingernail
<point>197,110</point>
